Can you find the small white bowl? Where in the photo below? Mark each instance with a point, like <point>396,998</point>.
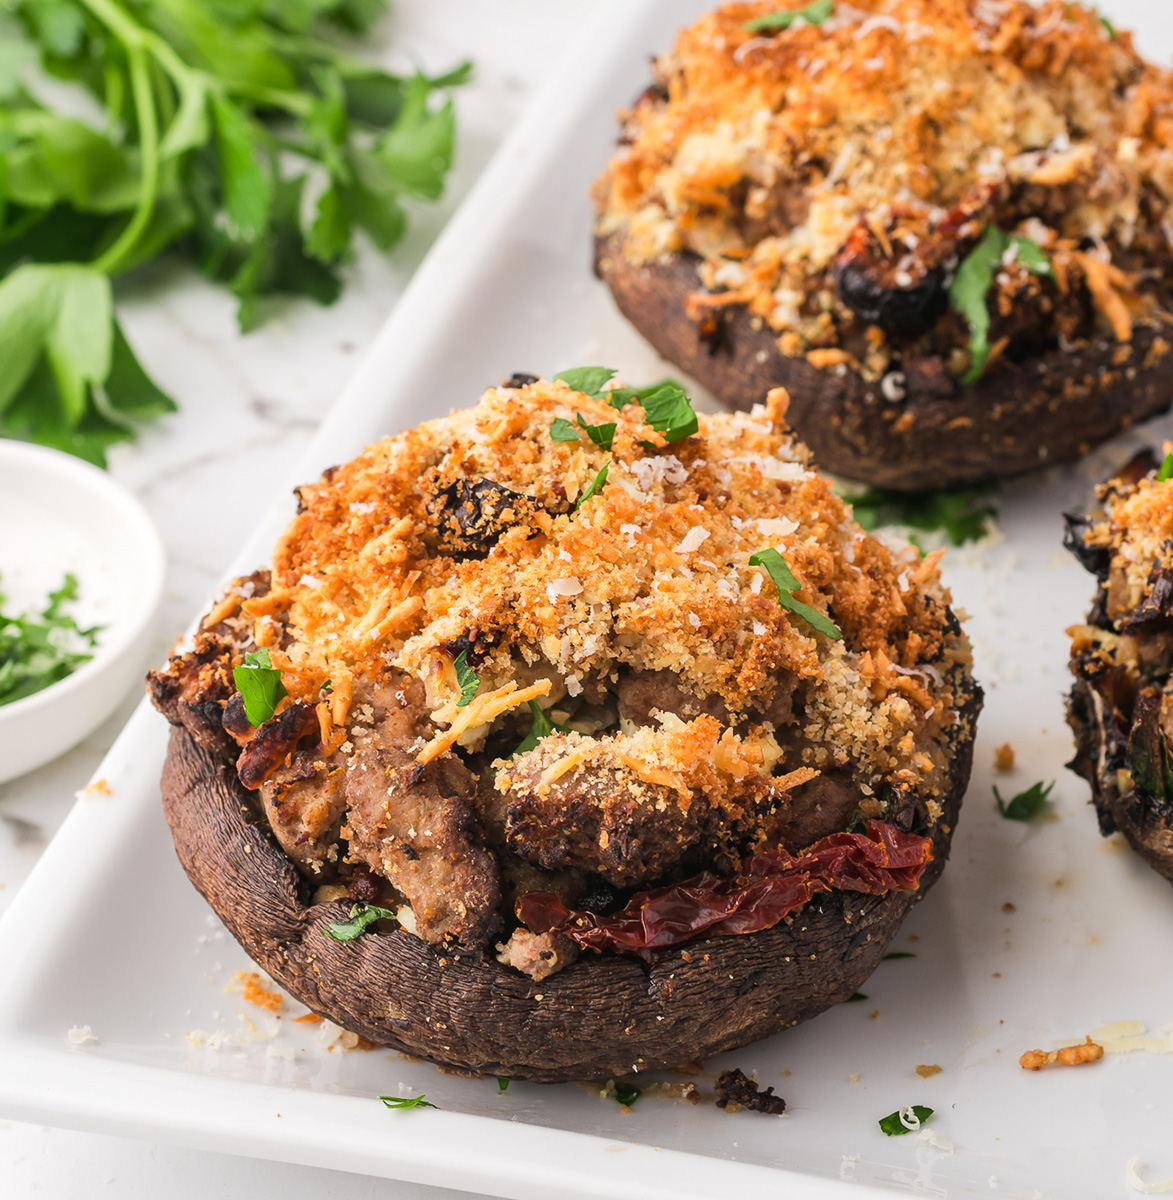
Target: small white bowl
<point>59,514</point>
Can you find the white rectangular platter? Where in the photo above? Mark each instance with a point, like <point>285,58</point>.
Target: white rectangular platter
<point>1036,935</point>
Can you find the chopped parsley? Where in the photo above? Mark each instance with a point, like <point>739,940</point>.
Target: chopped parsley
<point>627,1094</point>
<point>1026,805</point>
<point>596,486</point>
<point>961,514</point>
<point>784,580</point>
<point>1166,471</point>
<point>602,434</point>
<point>542,727</point>
<point>260,686</point>
<point>407,1102</point>
<point>669,411</point>
<point>894,1123</point>
<point>1109,28</point>
<point>666,406</point>
<point>468,679</point>
<point>897,954</point>
<point>502,1083</point>
<point>855,998</point>
<point>813,14</point>
<point>36,652</point>
<point>970,288</point>
<point>362,917</point>
<point>588,380</point>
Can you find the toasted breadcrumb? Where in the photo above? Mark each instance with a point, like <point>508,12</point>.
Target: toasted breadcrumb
<point>1068,1056</point>
<point>1004,757</point>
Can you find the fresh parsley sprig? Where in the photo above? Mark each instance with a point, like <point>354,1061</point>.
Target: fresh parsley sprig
<point>894,1123</point>
<point>1165,472</point>
<point>401,1102</point>
<point>961,514</point>
<point>786,583</point>
<point>542,727</point>
<point>362,917</point>
<point>237,135</point>
<point>970,288</point>
<point>627,1093</point>
<point>595,486</point>
<point>1026,805</point>
<point>667,408</point>
<point>260,686</point>
<point>601,433</point>
<point>38,651</point>
<point>814,14</point>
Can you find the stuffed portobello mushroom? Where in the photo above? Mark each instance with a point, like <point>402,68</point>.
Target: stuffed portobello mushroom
<point>942,225</point>
<point>1121,706</point>
<point>571,735</point>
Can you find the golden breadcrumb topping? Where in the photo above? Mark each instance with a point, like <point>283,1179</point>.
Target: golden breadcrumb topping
<point>906,126</point>
<point>459,542</point>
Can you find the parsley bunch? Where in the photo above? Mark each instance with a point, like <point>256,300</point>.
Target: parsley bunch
<point>233,132</point>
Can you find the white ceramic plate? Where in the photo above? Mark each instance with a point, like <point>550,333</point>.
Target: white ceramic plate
<point>60,514</point>
<point>108,933</point>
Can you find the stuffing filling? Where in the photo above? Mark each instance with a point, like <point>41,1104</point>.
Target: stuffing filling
<point>1121,706</point>
<point>517,664</point>
<point>831,178</point>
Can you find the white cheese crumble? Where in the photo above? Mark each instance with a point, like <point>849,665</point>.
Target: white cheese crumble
<point>309,581</point>
<point>930,1137</point>
<point>361,508</point>
<point>663,468</point>
<point>632,531</point>
<point>570,586</point>
<point>692,540</point>
<point>776,526</point>
<point>1139,1185</point>
<point>82,1035</point>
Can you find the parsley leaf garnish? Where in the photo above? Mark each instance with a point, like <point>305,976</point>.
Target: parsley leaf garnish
<point>669,411</point>
<point>541,727</point>
<point>1109,28</point>
<point>588,380</point>
<point>897,954</point>
<point>960,514</point>
<point>813,14</point>
<point>211,125</point>
<point>971,286</point>
<point>408,1102</point>
<point>502,1083</point>
<point>260,686</point>
<point>627,1094</point>
<point>36,652</point>
<point>1166,471</point>
<point>596,486</point>
<point>467,678</point>
<point>1026,805</point>
<point>893,1126</point>
<point>784,580</point>
<point>855,998</point>
<point>362,917</point>
<point>602,433</point>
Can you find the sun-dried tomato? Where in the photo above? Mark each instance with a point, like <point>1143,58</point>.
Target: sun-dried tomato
<point>765,889</point>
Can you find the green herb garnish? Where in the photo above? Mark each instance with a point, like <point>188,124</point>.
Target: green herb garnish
<point>1166,471</point>
<point>407,1102</point>
<point>36,652</point>
<point>971,285</point>
<point>260,686</point>
<point>813,14</point>
<point>627,1093</point>
<point>362,917</point>
<point>855,998</point>
<point>893,1126</point>
<point>541,727</point>
<point>1109,28</point>
<point>787,585</point>
<point>961,514</point>
<point>1026,805</point>
<point>468,679</point>
<point>669,411</point>
<point>602,434</point>
<point>588,380</point>
<point>596,486</point>
<point>897,954</point>
<point>211,123</point>
<point>502,1083</point>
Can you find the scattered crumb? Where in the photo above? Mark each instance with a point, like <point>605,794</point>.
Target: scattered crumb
<point>875,1012</point>
<point>255,992</point>
<point>1004,757</point>
<point>1068,1056</point>
<point>98,788</point>
<point>935,1140</point>
<point>928,1070</point>
<point>735,1091</point>
<point>855,1077</point>
<point>1008,907</point>
<point>1131,1173</point>
<point>308,1019</point>
<point>82,1035</point>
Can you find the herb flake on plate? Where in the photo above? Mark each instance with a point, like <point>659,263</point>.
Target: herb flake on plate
<point>905,1120</point>
<point>39,651</point>
<point>961,515</point>
<point>1027,804</point>
<point>627,1094</point>
<point>786,583</point>
<point>408,1102</point>
<point>260,686</point>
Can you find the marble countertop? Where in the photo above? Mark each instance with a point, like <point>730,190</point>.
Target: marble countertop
<point>207,474</point>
